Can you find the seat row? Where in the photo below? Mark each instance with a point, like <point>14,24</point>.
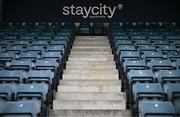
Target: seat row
<point>147,58</point>
<point>32,59</point>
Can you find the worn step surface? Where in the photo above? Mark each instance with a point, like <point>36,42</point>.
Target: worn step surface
<point>95,88</point>
<point>90,52</point>
<point>90,82</point>
<point>89,72</point>
<point>90,96</point>
<point>90,76</point>
<point>91,67</point>
<point>90,113</point>
<point>89,63</point>
<point>89,105</point>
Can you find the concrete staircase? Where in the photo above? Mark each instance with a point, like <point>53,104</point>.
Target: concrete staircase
<point>90,86</point>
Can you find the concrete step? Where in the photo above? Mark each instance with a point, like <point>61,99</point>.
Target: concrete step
<point>91,40</point>
<point>88,67</point>
<point>90,96</point>
<point>89,105</point>
<point>89,82</point>
<point>96,37</point>
<point>90,63</point>
<point>91,56</point>
<point>89,47</point>
<point>89,72</point>
<point>91,50</point>
<point>90,113</point>
<point>90,76</point>
<point>95,88</point>
<point>90,53</point>
<point>90,59</point>
<point>99,43</point>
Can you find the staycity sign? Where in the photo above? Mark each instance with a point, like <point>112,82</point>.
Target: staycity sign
<point>98,11</point>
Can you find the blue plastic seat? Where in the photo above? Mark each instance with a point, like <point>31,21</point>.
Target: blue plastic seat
<point>56,48</point>
<point>173,92</point>
<point>154,38</point>
<point>61,42</point>
<point>142,91</point>
<point>39,43</point>
<point>145,48</point>
<point>26,38</point>
<point>140,76</point>
<point>122,48</point>
<point>15,48</point>
<point>130,55</point>
<point>156,109</point>
<point>157,43</point>
<point>21,42</point>
<point>134,65</point>
<point>166,48</point>
<point>43,76</point>
<point>161,65</point>
<point>123,42</point>
<point>5,92</point>
<point>52,55</point>
<point>20,108</point>
<point>28,55</point>
<point>21,65</point>
<point>173,55</point>
<point>11,76</point>
<point>142,42</point>
<point>152,55</point>
<point>59,38</point>
<point>116,38</point>
<point>38,91</point>
<point>168,76</point>
<point>138,37</point>
<point>35,48</point>
<point>46,65</point>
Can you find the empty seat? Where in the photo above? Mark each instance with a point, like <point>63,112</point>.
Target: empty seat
<point>156,109</point>
<point>161,65</point>
<point>173,92</point>
<point>21,65</point>
<point>173,55</point>
<point>134,65</point>
<point>142,42</point>
<point>123,42</point>
<point>35,48</point>
<point>130,55</point>
<point>166,48</point>
<point>5,92</point>
<point>28,55</point>
<point>19,108</point>
<point>138,37</point>
<point>39,43</point>
<point>56,48</point>
<point>169,76</point>
<point>122,48</point>
<point>161,42</point>
<point>140,76</point>
<point>21,42</point>
<point>147,90</point>
<point>30,91</point>
<point>43,76</point>
<point>15,48</point>
<point>6,56</point>
<point>46,65</point>
<point>144,48</point>
<point>11,76</point>
<point>152,55</point>
<point>52,55</point>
